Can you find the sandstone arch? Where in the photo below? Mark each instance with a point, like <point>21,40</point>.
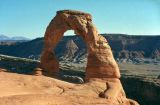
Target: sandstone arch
<point>100,64</point>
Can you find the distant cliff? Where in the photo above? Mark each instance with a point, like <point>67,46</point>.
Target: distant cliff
<point>74,48</point>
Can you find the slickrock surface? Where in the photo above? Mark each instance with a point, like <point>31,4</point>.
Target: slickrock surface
<point>18,89</point>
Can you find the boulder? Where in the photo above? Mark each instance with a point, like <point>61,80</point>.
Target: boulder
<point>38,71</point>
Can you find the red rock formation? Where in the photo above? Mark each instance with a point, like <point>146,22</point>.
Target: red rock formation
<point>100,64</point>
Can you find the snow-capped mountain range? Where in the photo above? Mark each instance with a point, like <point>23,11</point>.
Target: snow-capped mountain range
<point>16,38</point>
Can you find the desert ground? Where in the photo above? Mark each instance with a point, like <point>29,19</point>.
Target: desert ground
<point>19,89</point>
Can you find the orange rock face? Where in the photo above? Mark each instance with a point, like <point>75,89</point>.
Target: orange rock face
<point>100,64</point>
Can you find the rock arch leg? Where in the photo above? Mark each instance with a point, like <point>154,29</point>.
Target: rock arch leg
<point>49,61</point>
<point>53,34</point>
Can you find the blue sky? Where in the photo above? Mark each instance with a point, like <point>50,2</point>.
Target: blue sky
<point>30,18</point>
